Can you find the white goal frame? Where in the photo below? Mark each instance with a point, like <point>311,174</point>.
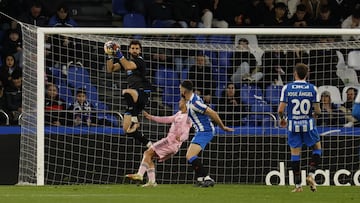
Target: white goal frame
<point>41,33</point>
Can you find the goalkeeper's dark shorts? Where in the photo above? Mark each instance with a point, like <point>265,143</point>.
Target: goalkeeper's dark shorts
<point>143,99</point>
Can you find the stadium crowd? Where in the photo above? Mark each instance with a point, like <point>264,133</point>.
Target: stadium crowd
<point>245,71</point>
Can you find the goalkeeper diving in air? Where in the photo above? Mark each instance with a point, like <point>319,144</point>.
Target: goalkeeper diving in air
<point>138,91</point>
<point>166,147</point>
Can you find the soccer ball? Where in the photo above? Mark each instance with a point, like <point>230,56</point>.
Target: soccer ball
<point>110,47</point>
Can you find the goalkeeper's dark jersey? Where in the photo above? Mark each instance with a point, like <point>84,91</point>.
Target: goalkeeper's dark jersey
<point>137,78</point>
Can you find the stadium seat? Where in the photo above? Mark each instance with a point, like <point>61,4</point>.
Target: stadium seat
<point>100,106</point>
<point>166,77</point>
<point>249,94</point>
<point>78,77</point>
<point>134,20</point>
<point>57,75</point>
<point>272,94</point>
<point>354,60</point>
<point>334,92</point>
<point>66,94</point>
<point>220,87</point>
<point>259,119</point>
<point>171,97</point>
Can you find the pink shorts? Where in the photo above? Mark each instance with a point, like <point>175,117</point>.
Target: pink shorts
<point>164,149</point>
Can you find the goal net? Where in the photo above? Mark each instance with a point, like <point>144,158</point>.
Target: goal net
<point>237,72</point>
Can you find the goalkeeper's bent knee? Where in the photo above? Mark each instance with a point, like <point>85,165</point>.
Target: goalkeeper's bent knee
<point>137,135</point>
<point>129,100</point>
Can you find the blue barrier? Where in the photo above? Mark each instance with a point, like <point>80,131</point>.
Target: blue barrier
<point>253,131</point>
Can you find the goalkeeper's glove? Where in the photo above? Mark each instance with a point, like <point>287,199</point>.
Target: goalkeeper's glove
<point>119,54</point>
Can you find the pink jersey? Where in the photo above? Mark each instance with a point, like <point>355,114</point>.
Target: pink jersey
<point>180,127</point>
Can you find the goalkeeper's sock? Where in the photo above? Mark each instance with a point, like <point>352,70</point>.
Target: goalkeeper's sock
<point>143,168</point>
<point>151,175</point>
<point>140,137</point>
<point>197,166</point>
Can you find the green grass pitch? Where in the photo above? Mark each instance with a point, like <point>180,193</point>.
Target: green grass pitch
<point>129,193</point>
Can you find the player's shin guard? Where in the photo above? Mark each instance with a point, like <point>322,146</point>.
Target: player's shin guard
<point>315,160</point>
<point>295,165</point>
<point>198,167</point>
<point>139,136</point>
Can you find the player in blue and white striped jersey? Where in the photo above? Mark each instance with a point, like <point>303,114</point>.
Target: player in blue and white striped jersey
<point>201,116</point>
<point>301,101</point>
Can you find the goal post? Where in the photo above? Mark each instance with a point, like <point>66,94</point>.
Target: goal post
<point>101,154</point>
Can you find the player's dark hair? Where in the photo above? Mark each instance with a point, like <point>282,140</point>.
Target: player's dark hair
<point>187,84</point>
<point>301,70</point>
<point>135,42</point>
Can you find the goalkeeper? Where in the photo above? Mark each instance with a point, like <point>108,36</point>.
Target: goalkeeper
<point>166,147</point>
<point>138,92</point>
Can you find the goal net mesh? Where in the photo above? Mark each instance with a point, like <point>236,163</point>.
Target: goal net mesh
<point>240,76</point>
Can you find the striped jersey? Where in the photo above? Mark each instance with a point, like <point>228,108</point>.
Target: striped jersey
<point>196,109</point>
<point>300,96</point>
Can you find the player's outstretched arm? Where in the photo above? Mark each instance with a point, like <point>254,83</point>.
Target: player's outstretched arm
<point>282,118</point>
<point>147,115</point>
<point>110,48</point>
<point>216,118</point>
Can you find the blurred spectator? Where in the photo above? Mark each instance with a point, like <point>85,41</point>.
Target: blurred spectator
<point>245,67</point>
<point>160,14</point>
<point>326,19</point>
<point>269,11</point>
<point>14,97</point>
<point>82,115</point>
<point>201,75</point>
<point>255,10</point>
<point>221,10</point>
<point>352,22</point>
<point>8,68</point>
<point>13,45</point>
<point>343,9</point>
<point>322,65</point>
<point>136,6</point>
<point>301,18</point>
<point>230,106</point>
<point>3,106</point>
<point>209,100</point>
<point>348,106</point>
<point>186,13</point>
<point>277,68</point>
<point>61,49</point>
<point>205,12</point>
<point>35,15</point>
<point>331,115</point>
<point>279,17</point>
<point>54,103</point>
<point>161,60</point>
<point>62,17</point>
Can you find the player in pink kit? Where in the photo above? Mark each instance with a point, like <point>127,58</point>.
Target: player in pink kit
<point>166,147</point>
